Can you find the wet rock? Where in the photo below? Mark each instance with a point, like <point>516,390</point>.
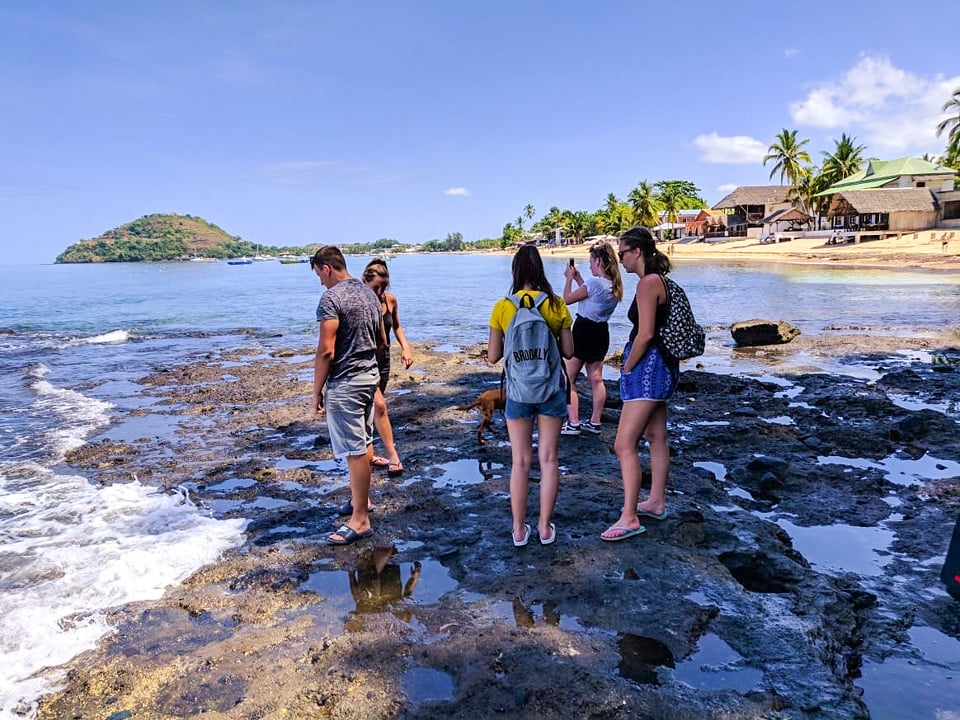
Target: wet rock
<point>749,333</point>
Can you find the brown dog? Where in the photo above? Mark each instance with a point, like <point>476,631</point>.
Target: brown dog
<point>488,401</point>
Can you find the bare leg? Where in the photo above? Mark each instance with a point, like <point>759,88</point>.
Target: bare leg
<point>633,422</point>
<point>595,376</point>
<point>359,469</point>
<point>521,449</point>
<point>573,366</point>
<point>381,421</point>
<point>656,434</point>
<point>549,428</point>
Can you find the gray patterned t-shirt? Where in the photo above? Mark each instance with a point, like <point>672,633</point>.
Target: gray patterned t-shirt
<point>357,308</point>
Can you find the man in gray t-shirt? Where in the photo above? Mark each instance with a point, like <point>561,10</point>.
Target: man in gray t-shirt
<point>346,377</point>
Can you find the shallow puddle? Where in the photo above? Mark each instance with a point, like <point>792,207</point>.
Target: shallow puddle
<point>836,549</point>
<point>375,584</point>
<point>421,684</point>
<point>905,688</point>
<point>901,470</point>
<point>517,614</point>
<point>468,471</point>
<point>717,666</point>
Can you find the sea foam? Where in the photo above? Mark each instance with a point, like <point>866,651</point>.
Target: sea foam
<point>78,415</point>
<point>69,551</point>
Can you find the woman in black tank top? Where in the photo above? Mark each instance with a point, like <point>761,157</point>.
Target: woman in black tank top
<point>377,277</point>
<point>647,380</point>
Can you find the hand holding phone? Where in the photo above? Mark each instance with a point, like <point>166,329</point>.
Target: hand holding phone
<point>573,262</point>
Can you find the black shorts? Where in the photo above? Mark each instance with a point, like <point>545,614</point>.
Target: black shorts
<point>383,365</point>
<point>591,340</point>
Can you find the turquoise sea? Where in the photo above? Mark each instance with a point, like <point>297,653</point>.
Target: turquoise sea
<point>76,339</point>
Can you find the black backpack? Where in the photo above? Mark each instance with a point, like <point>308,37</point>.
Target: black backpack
<point>951,567</point>
<point>680,336</point>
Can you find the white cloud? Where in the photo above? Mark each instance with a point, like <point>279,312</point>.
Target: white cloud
<point>884,107</point>
<point>728,188</point>
<point>791,52</point>
<point>457,192</point>
<point>734,150</point>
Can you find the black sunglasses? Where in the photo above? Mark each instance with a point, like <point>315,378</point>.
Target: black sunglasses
<point>621,253</point>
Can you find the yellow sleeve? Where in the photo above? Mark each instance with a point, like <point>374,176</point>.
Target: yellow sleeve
<point>502,314</point>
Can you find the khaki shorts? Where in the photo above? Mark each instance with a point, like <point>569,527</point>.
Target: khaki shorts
<point>349,406</point>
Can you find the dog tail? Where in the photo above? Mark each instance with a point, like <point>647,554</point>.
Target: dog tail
<point>475,403</point>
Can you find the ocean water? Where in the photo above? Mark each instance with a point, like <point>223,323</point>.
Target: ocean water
<point>75,340</point>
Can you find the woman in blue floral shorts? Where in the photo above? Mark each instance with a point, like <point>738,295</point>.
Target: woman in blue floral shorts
<point>648,379</point>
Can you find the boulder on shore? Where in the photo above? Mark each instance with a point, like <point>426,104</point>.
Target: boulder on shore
<point>763,332</point>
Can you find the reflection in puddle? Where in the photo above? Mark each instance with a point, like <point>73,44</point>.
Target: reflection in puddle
<point>377,585</point>
<point>900,470</point>
<point>468,471</point>
<point>779,420</point>
<point>421,684</point>
<point>717,666</point>
<point>837,549</point>
<point>546,614</point>
<point>641,656</point>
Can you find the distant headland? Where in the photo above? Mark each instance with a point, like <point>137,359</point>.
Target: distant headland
<point>164,237</point>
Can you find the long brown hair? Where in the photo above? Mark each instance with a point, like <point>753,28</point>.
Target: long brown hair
<point>528,271</point>
<point>653,260</point>
<point>607,255</point>
<point>377,268</point>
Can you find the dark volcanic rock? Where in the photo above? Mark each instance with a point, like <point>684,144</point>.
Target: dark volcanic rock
<point>763,332</point>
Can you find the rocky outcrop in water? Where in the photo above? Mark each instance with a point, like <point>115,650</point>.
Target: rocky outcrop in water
<point>750,333</point>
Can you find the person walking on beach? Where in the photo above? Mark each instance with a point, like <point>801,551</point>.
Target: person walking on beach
<point>532,289</point>
<point>377,277</point>
<point>345,378</point>
<point>647,380</point>
<point>597,298</point>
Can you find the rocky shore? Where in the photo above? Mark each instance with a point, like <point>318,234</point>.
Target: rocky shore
<point>714,613</point>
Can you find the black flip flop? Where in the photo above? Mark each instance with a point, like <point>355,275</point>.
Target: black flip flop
<point>349,535</point>
<point>347,508</point>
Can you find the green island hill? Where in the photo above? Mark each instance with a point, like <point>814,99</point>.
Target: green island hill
<point>165,238</point>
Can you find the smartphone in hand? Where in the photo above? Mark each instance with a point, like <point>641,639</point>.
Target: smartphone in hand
<point>572,262</point>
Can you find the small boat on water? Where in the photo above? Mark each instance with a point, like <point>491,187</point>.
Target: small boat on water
<point>240,261</point>
<point>286,260</point>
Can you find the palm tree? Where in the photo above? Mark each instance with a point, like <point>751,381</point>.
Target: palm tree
<point>671,204</point>
<point>645,203</point>
<point>528,211</point>
<point>951,124</point>
<point>789,155</point>
<point>579,225</point>
<point>844,161</point>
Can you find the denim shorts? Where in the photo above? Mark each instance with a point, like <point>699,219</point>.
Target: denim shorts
<point>555,406</point>
<point>349,406</point>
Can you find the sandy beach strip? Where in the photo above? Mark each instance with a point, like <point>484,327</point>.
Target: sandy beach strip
<point>923,249</point>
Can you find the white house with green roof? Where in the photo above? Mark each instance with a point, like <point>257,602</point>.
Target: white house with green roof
<point>895,196</point>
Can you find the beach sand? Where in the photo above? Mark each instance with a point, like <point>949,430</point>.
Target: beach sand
<point>440,616</point>
<point>923,249</point>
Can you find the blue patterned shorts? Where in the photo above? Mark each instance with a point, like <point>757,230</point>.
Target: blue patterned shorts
<point>651,379</point>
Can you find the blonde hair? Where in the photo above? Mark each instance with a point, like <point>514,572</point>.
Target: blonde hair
<point>605,253</point>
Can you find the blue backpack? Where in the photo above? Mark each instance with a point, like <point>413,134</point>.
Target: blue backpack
<point>531,355</point>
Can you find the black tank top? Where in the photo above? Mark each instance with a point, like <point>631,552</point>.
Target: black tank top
<point>634,317</point>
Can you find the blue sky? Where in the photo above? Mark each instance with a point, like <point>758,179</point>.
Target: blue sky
<point>290,122</point>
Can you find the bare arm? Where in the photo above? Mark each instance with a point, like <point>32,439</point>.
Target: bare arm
<point>321,363</point>
<point>406,357</point>
<point>566,343</point>
<point>494,346</point>
<point>571,274</point>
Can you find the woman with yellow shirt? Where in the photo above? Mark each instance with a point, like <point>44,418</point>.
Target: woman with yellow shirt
<point>530,279</point>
